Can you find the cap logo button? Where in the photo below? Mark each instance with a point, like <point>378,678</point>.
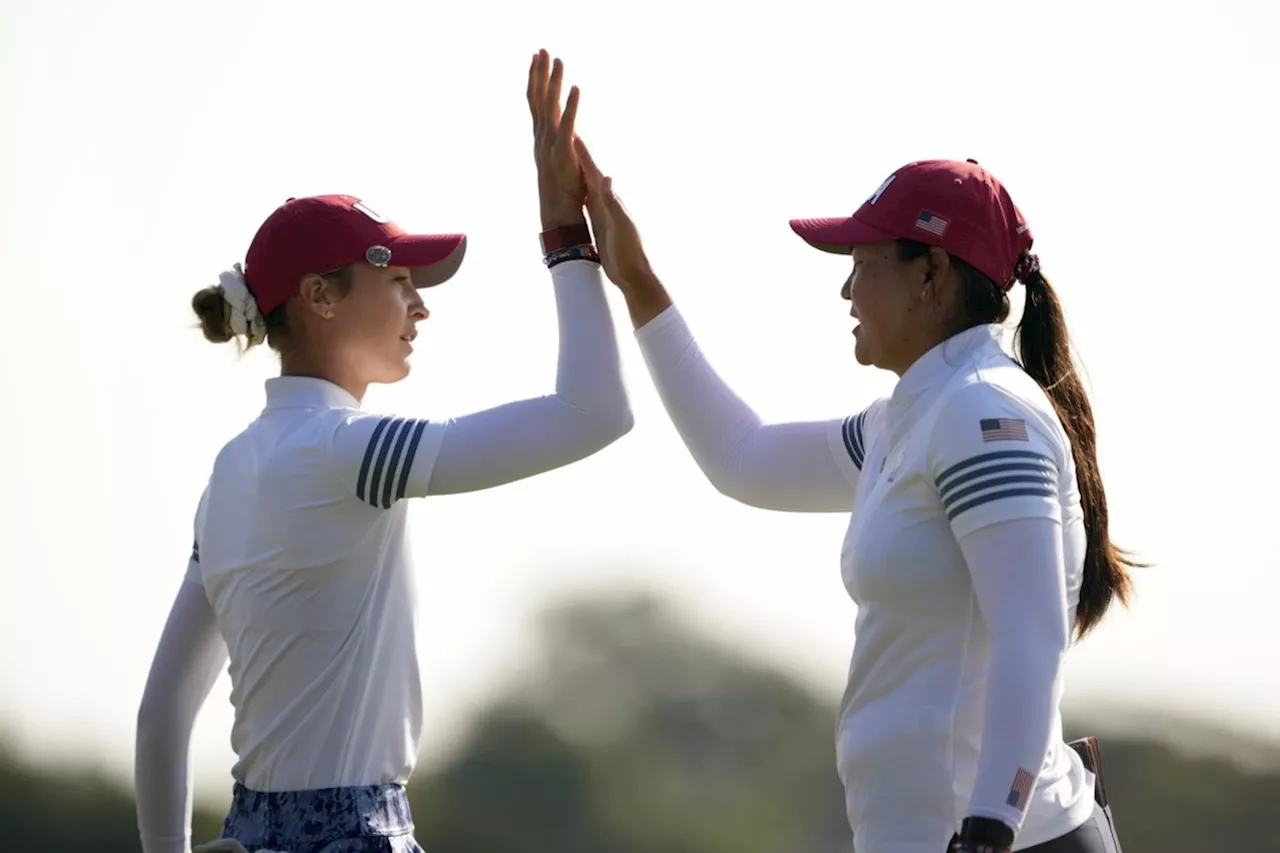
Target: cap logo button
<point>379,256</point>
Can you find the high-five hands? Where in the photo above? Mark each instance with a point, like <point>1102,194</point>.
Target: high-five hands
<point>568,178</point>
<point>617,238</point>
<point>618,242</point>
<point>561,188</point>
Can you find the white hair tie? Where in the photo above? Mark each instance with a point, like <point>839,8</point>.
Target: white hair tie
<point>245,318</point>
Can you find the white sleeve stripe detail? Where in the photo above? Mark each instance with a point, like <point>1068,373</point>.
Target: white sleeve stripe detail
<point>1040,491</point>
<point>379,465</point>
<point>419,428</point>
<point>984,459</point>
<point>384,472</point>
<point>1040,480</point>
<point>370,449</point>
<point>1034,471</point>
<point>392,471</point>
<point>853,437</point>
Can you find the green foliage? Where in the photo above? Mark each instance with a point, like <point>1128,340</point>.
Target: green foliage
<point>633,735</point>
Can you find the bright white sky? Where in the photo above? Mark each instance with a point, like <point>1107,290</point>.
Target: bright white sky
<point>145,141</point>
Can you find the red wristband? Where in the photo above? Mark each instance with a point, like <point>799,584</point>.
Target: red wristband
<point>565,236</point>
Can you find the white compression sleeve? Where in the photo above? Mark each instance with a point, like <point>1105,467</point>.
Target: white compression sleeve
<point>588,411</point>
<point>784,466</point>
<point>1020,584</point>
<point>188,660</point>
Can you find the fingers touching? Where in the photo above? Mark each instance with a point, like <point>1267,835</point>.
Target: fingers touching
<point>590,170</point>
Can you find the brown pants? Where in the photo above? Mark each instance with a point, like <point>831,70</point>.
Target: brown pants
<point>1098,833</point>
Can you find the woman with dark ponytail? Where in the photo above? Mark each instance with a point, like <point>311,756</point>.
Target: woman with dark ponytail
<point>977,544</point>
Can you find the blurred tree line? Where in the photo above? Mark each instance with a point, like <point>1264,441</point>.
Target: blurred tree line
<point>633,734</point>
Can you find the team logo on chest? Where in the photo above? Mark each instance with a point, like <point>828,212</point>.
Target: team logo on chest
<point>894,462</point>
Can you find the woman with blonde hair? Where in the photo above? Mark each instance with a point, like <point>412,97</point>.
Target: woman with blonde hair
<point>301,575</point>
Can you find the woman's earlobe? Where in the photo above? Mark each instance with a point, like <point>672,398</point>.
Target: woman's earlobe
<point>927,286</point>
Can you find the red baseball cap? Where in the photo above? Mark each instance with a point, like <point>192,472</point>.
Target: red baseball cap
<point>321,233</point>
<point>958,207</point>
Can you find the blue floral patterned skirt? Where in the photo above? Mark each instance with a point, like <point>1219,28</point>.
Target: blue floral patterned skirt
<point>370,819</point>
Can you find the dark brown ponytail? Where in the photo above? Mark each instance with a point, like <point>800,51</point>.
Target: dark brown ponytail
<point>1045,352</point>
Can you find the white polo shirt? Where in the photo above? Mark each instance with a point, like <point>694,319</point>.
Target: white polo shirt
<point>301,548</point>
<point>967,440</point>
<point>300,572</point>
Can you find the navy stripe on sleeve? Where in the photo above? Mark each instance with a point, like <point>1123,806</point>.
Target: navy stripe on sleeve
<point>854,439</point>
<point>394,425</point>
<point>361,491</point>
<point>195,551</point>
<point>397,456</point>
<point>990,477</point>
<point>418,429</point>
<point>384,473</point>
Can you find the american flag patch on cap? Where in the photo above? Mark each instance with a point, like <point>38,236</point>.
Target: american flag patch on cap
<point>932,222</point>
<point>1020,793</point>
<point>1003,429</point>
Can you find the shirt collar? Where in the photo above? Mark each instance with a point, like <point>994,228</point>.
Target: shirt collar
<point>936,367</point>
<point>946,358</point>
<point>307,392</point>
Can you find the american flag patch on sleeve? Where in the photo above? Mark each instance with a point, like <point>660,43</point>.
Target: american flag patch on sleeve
<point>1020,793</point>
<point>1003,429</point>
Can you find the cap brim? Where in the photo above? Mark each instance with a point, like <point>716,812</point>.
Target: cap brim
<point>838,235</point>
<point>431,258</point>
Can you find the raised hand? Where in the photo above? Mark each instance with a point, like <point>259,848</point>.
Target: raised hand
<point>617,238</point>
<point>561,188</point>
<point>618,242</point>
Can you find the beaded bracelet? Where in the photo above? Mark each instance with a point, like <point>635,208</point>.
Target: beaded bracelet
<point>585,252</point>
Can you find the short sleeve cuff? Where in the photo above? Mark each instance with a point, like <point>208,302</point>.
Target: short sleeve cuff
<point>386,458</point>
<point>997,486</point>
<point>996,458</point>
<point>849,439</point>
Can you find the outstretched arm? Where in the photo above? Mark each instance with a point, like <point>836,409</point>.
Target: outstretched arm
<point>804,466</point>
<point>588,411</point>
<point>808,466</point>
<point>188,660</point>
<point>385,459</point>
